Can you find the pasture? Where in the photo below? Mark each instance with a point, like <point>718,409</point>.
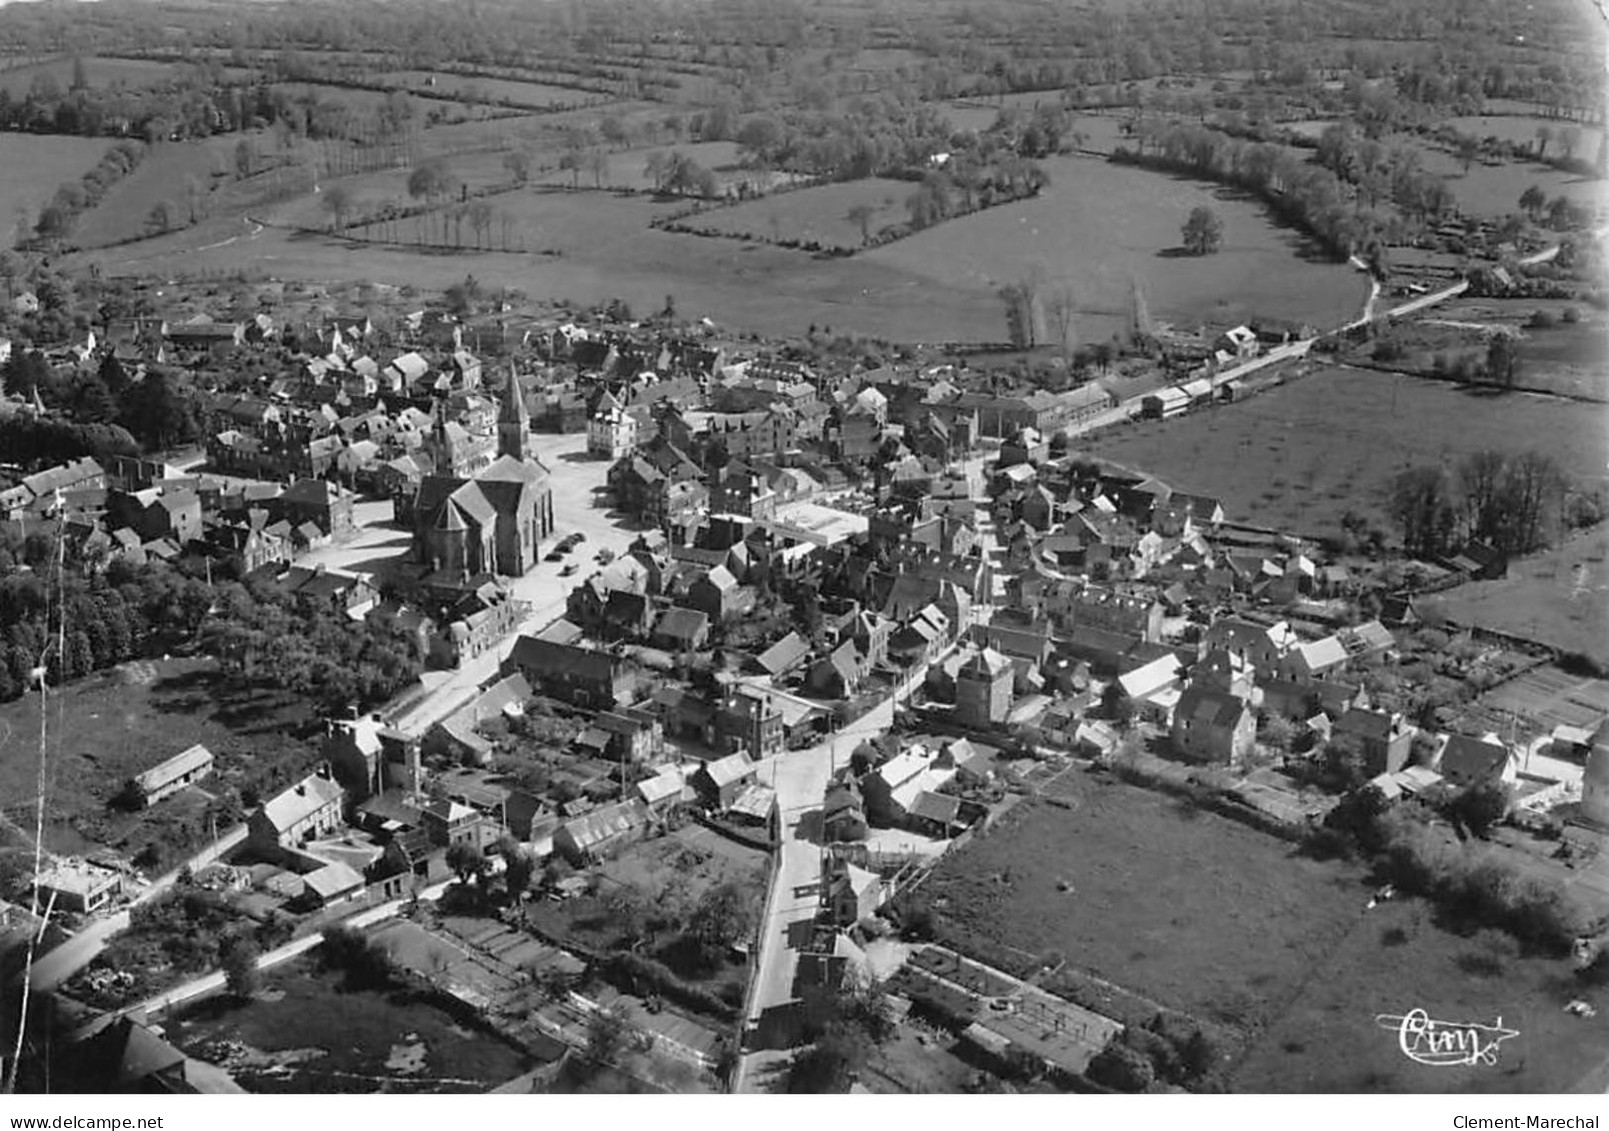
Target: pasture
<point>1560,598</point>
<point>1495,190</point>
<point>166,174</point>
<point>33,167</point>
<point>938,286</point>
<point>1237,929</point>
<point>819,214</point>
<point>1299,456</point>
<point>1100,226</point>
<point>101,73</point>
<point>510,92</point>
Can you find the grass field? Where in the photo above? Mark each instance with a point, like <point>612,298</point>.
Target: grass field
<point>1299,456</point>
<point>939,286</point>
<point>101,73</point>
<point>1397,959</point>
<point>164,174</point>
<point>817,215</point>
<point>1559,598</point>
<point>1520,128</point>
<point>104,729</point>
<point>1209,917</point>
<point>1102,226</point>
<point>33,167</point>
<point>513,92</point>
<point>306,1034</point>
<point>1494,190</point>
<point>1224,938</point>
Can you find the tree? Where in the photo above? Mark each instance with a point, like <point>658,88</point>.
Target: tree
<point>1203,231</point>
<point>1117,704</point>
<point>337,201</point>
<point>432,180</point>
<point>1122,1068</point>
<point>1502,363</point>
<point>518,164</point>
<point>1533,200</point>
<point>1468,150</point>
<point>1569,139</point>
<point>245,158</point>
<point>1343,764</point>
<point>828,1065</point>
<point>1544,134</point>
<point>656,168</point>
<point>1481,806</point>
<point>606,1035</point>
<point>518,867</point>
<point>240,975</point>
<point>1062,309</point>
<point>1421,504</point>
<point>724,916</point>
<point>160,219</point>
<point>466,861</point>
<point>861,216</point>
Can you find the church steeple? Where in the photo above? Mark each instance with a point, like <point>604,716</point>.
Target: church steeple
<point>513,421</point>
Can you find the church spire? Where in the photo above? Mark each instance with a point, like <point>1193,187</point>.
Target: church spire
<point>513,420</point>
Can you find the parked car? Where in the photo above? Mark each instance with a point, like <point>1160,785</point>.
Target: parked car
<point>568,570</point>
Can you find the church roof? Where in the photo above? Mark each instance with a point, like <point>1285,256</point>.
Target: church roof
<point>507,469</point>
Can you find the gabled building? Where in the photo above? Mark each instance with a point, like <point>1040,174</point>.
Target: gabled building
<point>1210,726</point>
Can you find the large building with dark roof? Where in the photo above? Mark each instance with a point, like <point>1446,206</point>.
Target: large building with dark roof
<point>495,521</point>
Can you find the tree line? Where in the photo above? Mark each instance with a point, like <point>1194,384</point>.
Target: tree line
<point>1514,502</point>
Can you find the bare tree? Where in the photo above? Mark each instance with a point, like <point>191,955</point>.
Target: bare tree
<point>1062,308</point>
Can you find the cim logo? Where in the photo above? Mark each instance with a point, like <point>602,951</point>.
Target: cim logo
<point>1445,1043</point>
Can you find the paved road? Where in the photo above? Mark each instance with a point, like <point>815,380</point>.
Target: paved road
<point>800,779</point>
<point>85,946</point>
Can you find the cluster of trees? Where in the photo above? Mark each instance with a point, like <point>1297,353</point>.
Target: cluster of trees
<point>1561,213</point>
<point>677,173</point>
<point>1169,1048</point>
<point>1203,231</point>
<point>76,197</point>
<point>1474,886</point>
<point>91,618</point>
<point>268,639</point>
<point>1345,216</point>
<point>1514,502</point>
<point>158,411</point>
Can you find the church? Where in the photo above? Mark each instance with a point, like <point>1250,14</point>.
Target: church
<point>493,519</point>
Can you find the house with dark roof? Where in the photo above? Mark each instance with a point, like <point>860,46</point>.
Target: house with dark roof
<point>1465,761</point>
<point>583,676</point>
<point>680,630</point>
<point>1212,726</point>
<point>1385,740</point>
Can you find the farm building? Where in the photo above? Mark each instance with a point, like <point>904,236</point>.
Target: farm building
<point>170,777</point>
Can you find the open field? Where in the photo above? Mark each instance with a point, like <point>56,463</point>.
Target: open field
<point>165,174</point>
<point>33,167</point>
<point>1101,226</point>
<point>1235,928</point>
<point>101,73</point>
<point>938,286</point>
<point>105,728</point>
<point>513,92</point>
<point>1299,456</point>
<point>1522,129</point>
<point>305,1033</point>
<point>1559,598</point>
<point>1225,938</point>
<point>1495,190</point>
<point>1327,1040</point>
<point>818,215</point>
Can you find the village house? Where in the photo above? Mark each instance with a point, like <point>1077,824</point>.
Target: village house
<point>583,676</point>
<point>1210,726</point>
<point>983,688</point>
<point>306,811</point>
<point>717,783</point>
<point>79,886</point>
<point>1464,761</point>
<point>748,721</point>
<point>1384,740</point>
